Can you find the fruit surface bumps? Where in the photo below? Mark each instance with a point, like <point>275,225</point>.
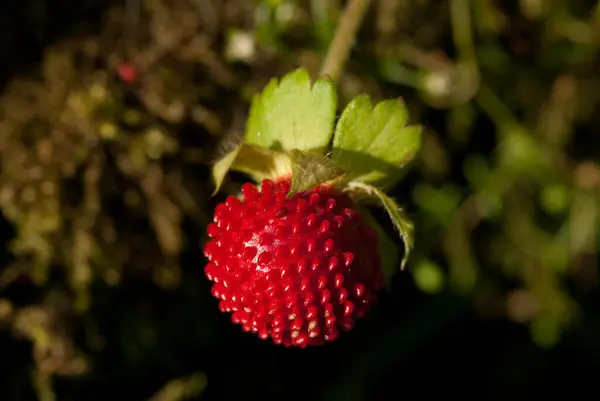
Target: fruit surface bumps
<point>297,269</point>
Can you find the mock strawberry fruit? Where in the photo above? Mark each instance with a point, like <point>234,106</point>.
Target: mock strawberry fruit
<point>299,269</point>
<point>299,259</point>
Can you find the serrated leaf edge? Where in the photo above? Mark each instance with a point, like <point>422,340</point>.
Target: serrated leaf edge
<point>275,84</point>
<point>365,101</point>
<point>401,222</point>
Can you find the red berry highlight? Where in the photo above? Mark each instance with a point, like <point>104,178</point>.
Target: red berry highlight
<point>299,270</point>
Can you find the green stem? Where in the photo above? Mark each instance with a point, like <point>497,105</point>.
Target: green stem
<point>339,49</point>
<point>462,31</point>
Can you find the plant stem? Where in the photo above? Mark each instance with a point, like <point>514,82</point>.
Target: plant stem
<point>339,49</point>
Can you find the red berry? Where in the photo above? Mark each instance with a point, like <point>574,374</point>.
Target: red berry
<point>127,73</point>
<point>298,269</point>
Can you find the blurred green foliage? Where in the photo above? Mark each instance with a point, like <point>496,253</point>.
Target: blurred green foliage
<point>104,185</point>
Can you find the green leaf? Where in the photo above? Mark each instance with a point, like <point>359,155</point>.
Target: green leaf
<point>293,114</point>
<point>258,163</point>
<point>370,194</point>
<point>220,169</point>
<point>311,169</point>
<point>388,250</point>
<point>374,143</point>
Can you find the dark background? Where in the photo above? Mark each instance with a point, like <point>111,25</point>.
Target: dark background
<point>499,300</point>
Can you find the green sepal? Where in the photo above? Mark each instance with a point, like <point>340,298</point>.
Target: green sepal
<point>374,143</point>
<point>293,114</point>
<point>387,248</point>
<point>310,170</point>
<point>365,193</point>
<point>259,163</point>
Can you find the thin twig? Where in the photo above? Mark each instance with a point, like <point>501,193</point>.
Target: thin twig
<point>339,49</point>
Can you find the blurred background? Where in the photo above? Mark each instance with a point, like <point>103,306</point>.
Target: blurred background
<point>112,112</point>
